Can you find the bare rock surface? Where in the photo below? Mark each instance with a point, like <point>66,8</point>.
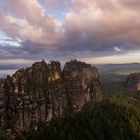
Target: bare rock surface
<point>133,81</point>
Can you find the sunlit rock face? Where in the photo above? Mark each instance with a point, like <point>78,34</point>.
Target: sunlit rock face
<point>38,93</point>
<point>54,71</point>
<point>133,81</point>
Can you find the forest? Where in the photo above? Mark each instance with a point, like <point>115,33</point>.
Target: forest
<point>116,118</point>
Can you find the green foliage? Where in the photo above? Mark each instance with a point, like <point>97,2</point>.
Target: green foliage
<point>3,135</point>
<point>114,119</point>
<point>117,89</point>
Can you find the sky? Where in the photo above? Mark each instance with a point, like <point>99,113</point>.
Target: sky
<point>94,31</point>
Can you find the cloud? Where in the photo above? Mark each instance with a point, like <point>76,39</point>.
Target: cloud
<point>28,21</point>
<point>119,59</point>
<point>103,21</point>
<point>10,42</point>
<point>104,25</point>
<point>117,49</point>
<point>90,28</point>
<point>134,5</point>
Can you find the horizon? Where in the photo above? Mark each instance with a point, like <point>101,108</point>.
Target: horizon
<point>30,63</point>
<point>10,69</point>
<point>95,32</point>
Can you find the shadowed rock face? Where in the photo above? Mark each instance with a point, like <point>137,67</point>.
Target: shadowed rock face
<point>133,81</point>
<point>42,91</point>
<point>82,84</point>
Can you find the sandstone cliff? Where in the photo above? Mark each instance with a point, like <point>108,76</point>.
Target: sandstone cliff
<point>133,81</point>
<point>43,91</point>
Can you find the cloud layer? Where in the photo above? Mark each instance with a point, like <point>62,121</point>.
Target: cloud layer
<point>89,28</point>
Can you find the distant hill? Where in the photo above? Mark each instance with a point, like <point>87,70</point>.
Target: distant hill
<point>117,72</point>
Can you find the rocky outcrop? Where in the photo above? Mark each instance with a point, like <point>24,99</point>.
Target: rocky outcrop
<point>82,84</point>
<point>38,93</point>
<point>133,81</point>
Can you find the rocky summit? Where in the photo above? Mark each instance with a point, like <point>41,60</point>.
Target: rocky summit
<point>43,91</point>
<point>133,81</point>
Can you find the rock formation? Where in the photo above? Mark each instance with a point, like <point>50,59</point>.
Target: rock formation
<point>133,81</point>
<point>42,91</point>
